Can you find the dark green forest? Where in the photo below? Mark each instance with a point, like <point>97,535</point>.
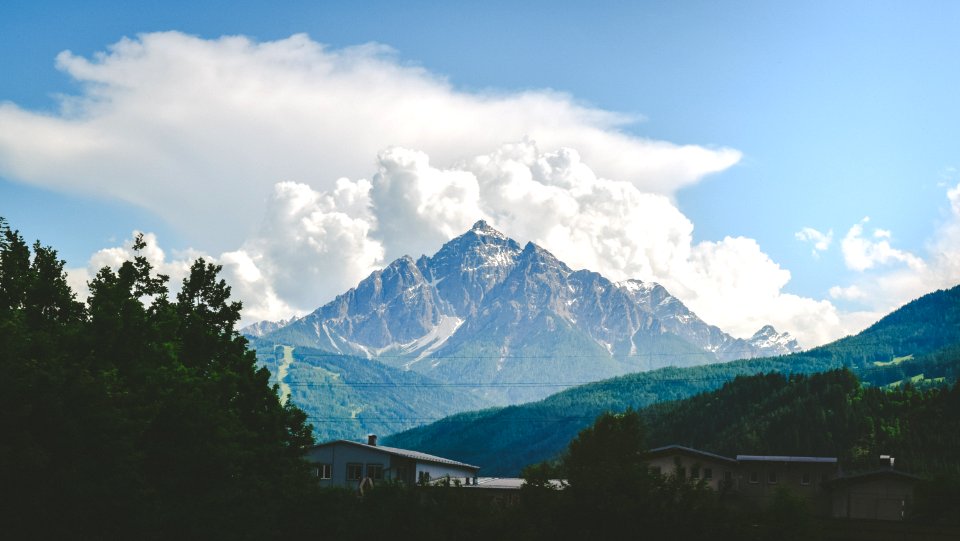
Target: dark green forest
<point>136,415</point>
<point>827,414</point>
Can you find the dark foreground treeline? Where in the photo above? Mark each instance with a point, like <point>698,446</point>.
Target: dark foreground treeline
<point>610,493</point>
<point>141,415</point>
<point>136,415</point>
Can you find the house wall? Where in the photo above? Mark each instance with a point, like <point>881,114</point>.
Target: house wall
<point>880,499</point>
<point>340,455</point>
<point>438,471</point>
<point>667,464</point>
<point>403,470</point>
<point>755,485</point>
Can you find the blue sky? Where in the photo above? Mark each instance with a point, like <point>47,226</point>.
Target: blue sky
<point>839,111</point>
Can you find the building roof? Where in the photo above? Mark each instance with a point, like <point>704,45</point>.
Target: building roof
<point>404,453</point>
<point>872,475</point>
<point>510,483</point>
<point>671,449</point>
<point>762,458</point>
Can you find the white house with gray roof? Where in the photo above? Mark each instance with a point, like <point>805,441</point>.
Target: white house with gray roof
<point>348,463</point>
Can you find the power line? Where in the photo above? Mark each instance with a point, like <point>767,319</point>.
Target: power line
<point>647,354</point>
<point>492,384</point>
<point>449,419</point>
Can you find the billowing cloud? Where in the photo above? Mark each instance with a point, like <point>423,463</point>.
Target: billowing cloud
<point>953,195</point>
<point>821,241</point>
<point>176,265</point>
<point>247,281</point>
<point>854,293</point>
<point>313,244</point>
<point>862,253</point>
<point>261,153</point>
<point>180,125</point>
<point>556,200</point>
<point>907,276</point>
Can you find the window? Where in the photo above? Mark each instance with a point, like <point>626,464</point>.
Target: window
<point>423,477</point>
<point>681,472</point>
<point>805,478</point>
<point>754,477</point>
<point>322,471</point>
<point>354,472</point>
<point>695,472</point>
<point>708,473</point>
<point>375,471</point>
<point>772,477</point>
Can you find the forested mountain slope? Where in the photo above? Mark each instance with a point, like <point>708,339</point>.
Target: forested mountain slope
<point>826,414</point>
<point>347,397</point>
<point>919,340</point>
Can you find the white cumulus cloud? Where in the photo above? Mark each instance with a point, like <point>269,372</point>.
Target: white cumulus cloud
<point>861,253</point>
<point>953,195</point>
<point>556,200</point>
<point>180,125</point>
<point>853,292</point>
<point>313,244</point>
<point>887,288</point>
<point>821,241</point>
<point>300,168</point>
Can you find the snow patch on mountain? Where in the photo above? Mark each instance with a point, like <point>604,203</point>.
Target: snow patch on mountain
<point>637,286</point>
<point>326,332</point>
<point>433,339</point>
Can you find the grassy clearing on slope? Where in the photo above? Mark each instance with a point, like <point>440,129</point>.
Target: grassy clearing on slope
<point>895,361</point>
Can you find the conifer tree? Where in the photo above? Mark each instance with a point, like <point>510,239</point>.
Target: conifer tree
<point>134,416</point>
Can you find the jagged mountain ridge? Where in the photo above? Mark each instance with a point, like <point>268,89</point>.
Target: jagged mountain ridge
<point>483,309</point>
<point>261,328</point>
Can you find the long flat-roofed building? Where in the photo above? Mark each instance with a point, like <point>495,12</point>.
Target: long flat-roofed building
<point>761,475</point>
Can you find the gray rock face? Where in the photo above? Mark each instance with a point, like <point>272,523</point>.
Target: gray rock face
<point>771,342</point>
<point>484,310</point>
<point>469,266</point>
<point>261,328</point>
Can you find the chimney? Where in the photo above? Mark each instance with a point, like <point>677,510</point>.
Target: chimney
<point>372,439</point>
<point>887,460</point>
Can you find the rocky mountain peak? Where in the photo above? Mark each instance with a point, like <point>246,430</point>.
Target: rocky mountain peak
<point>483,307</point>
<point>483,228</point>
<point>768,339</point>
<point>536,259</point>
<point>260,328</point>
<point>766,330</point>
<point>480,241</point>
